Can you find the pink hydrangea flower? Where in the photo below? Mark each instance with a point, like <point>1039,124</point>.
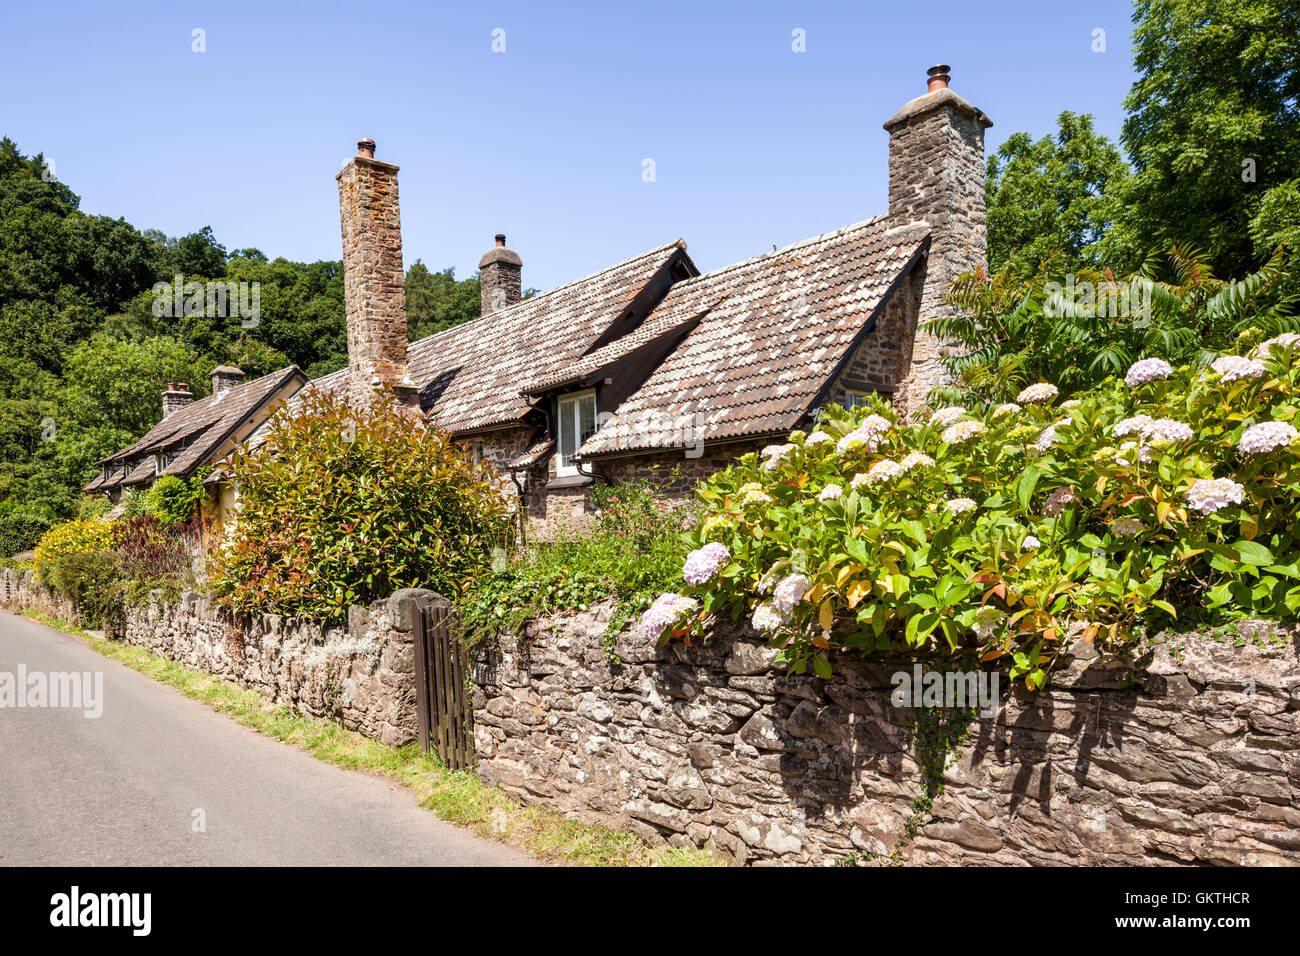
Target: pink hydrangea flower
<point>1286,341</point>
<point>1266,437</point>
<point>1058,501</point>
<point>703,564</point>
<point>1030,543</point>
<point>1147,370</point>
<point>1167,430</point>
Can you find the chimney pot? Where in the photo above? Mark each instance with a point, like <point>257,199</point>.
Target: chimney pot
<point>366,148</point>
<point>939,77</point>
<point>501,239</point>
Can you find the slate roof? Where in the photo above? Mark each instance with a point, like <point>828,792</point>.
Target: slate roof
<point>192,434</point>
<point>470,376</point>
<point>774,328</point>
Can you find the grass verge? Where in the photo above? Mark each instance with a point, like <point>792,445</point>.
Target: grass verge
<point>457,797</point>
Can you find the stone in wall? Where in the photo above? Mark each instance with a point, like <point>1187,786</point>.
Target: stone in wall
<point>1168,759</point>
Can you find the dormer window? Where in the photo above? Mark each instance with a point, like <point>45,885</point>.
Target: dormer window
<point>160,463</point>
<point>576,423</point>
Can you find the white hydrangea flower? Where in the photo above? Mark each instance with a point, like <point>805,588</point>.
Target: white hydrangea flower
<point>789,592</point>
<point>962,432</point>
<point>946,416</point>
<point>1265,437</point>
<point>1005,409</point>
<point>883,470</point>
<point>774,455</point>
<point>752,493</point>
<point>859,481</point>
<point>1131,426</point>
<point>667,610</point>
<point>767,619</point>
<point>1039,392</point>
<point>830,493</point>
<point>818,438</point>
<point>1046,438</point>
<point>957,506</point>
<point>1234,367</point>
<point>916,459</point>
<point>1208,495</point>
<point>1030,543</point>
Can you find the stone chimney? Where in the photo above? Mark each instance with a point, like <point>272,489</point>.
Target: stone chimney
<point>177,396</point>
<point>224,378</point>
<point>373,278</point>
<point>499,273</point>
<point>936,174</point>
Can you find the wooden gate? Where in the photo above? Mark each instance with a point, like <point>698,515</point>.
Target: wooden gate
<point>441,697</point>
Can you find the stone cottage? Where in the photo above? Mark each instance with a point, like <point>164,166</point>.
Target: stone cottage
<point>195,433</point>
<point>650,367</point>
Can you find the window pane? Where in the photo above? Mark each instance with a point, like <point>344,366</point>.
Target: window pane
<point>587,417</point>
<point>567,432</point>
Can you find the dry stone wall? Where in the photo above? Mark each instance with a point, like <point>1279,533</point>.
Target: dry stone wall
<point>362,675</point>
<point>1187,755</point>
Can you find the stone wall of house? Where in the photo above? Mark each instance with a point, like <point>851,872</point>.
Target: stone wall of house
<point>672,472</point>
<point>1189,754</point>
<point>362,675</point>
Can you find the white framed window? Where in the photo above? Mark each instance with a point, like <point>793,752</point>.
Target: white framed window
<point>854,398</point>
<point>576,422</point>
<point>160,463</point>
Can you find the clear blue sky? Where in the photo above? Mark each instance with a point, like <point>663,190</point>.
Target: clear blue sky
<point>754,144</point>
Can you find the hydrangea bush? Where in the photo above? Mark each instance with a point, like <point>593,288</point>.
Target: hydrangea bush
<point>993,530</point>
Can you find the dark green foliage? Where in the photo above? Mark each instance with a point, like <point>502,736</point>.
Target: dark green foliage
<point>1052,198</point>
<point>20,529</point>
<point>173,499</point>
<point>83,357</point>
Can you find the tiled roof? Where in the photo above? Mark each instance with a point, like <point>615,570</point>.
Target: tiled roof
<point>655,327</point>
<point>538,451</point>
<point>470,376</point>
<point>201,427</point>
<point>774,329</point>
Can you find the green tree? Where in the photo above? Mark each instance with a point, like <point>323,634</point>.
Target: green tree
<point>437,301</point>
<point>1213,128</point>
<point>1052,197</point>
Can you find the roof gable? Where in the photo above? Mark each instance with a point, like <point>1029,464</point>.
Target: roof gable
<point>774,329</point>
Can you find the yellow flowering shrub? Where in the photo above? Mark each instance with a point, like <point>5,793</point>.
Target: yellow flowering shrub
<point>72,537</point>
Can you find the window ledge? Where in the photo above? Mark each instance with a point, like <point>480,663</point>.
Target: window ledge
<point>569,481</point>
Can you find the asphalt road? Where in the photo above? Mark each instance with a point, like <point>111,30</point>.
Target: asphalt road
<point>122,789</point>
